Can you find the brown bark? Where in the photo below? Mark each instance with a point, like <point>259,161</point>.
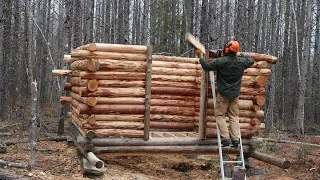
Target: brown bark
<point>110,92</point>
<point>85,65</point>
<point>168,97</point>
<point>171,125</point>
<point>108,55</point>
<point>114,48</point>
<point>65,99</point>
<point>67,86</point>
<point>282,163</point>
<point>77,81</point>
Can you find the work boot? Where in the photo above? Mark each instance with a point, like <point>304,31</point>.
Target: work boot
<point>235,143</point>
<point>225,142</point>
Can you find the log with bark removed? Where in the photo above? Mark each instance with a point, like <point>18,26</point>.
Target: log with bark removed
<point>114,48</point>
<point>108,55</point>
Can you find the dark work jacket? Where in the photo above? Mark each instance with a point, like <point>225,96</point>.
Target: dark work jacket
<point>230,70</point>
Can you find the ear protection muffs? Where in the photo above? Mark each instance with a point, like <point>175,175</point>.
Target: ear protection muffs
<point>232,45</point>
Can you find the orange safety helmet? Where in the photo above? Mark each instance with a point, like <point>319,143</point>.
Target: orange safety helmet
<point>232,45</point>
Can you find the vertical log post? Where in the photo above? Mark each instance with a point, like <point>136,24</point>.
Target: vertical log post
<point>203,101</point>
<point>148,94</point>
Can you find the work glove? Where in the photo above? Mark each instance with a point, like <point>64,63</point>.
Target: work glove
<point>199,53</point>
<point>238,54</point>
<point>219,53</point>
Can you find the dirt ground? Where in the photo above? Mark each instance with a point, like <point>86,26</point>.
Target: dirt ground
<point>60,160</point>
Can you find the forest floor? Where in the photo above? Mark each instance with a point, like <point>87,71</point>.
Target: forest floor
<point>60,160</point>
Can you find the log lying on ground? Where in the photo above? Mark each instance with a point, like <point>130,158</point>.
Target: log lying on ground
<point>181,150</point>
<point>255,56</point>
<point>108,55</point>
<point>282,163</point>
<point>12,164</point>
<point>94,160</point>
<point>114,48</point>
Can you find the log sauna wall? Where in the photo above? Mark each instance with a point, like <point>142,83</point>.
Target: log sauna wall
<point>125,91</point>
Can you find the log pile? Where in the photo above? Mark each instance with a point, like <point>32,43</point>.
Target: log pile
<point>108,89</point>
<point>125,91</point>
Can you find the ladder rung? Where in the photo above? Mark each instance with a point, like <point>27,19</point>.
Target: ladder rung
<point>232,161</point>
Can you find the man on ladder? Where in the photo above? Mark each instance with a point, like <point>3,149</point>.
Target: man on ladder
<point>230,65</point>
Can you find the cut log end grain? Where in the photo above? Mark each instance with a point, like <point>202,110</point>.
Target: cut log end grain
<point>255,108</point>
<point>93,65</point>
<point>259,100</point>
<point>92,101</point>
<point>261,80</point>
<point>92,120</point>
<point>93,85</point>
<point>91,134</point>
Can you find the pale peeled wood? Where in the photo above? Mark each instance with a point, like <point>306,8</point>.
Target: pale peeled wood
<point>260,64</point>
<point>96,162</point>
<point>257,72</point>
<point>175,71</point>
<point>280,162</point>
<point>177,65</point>
<point>170,110</point>
<point>194,42</point>
<point>175,91</point>
<point>255,56</point>
<point>85,65</point>
<point>118,125</point>
<point>60,72</point>
<point>245,133</point>
<point>118,133</point>
<point>119,117</point>
<point>108,55</point>
<point>110,92</point>
<point>171,125</point>
<point>253,81</point>
<point>176,97</point>
<point>114,47</point>
<point>68,59</point>
<point>175,59</point>
<point>174,78</point>
<point>93,85</point>
<point>140,118</point>
<point>191,85</point>
<point>112,75</point>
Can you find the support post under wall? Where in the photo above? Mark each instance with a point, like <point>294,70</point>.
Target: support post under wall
<point>148,94</point>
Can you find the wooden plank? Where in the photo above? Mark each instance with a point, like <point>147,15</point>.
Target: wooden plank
<point>196,44</point>
<point>168,134</point>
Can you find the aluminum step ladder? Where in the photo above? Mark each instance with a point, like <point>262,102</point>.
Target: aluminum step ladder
<point>222,161</point>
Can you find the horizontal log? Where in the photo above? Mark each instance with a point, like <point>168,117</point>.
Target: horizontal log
<point>77,81</point>
<point>118,125</point>
<point>169,97</point>
<point>257,72</point>
<point>108,55</point>
<point>110,92</point>
<point>280,162</point>
<point>85,65</point>
<point>255,56</point>
<point>175,91</point>
<point>175,71</point>
<point>90,101</point>
<point>157,141</point>
<point>177,65</point>
<point>67,86</point>
<point>253,81</point>
<point>116,133</point>
<point>242,125</point>
<point>175,59</point>
<point>69,59</point>
<point>114,48</point>
<point>60,72</point>
<point>258,100</point>
<point>65,99</point>
<point>174,78</point>
<point>170,110</point>
<point>112,75</point>
<point>245,133</point>
<point>105,109</point>
<point>171,125</point>
<point>139,150</point>
<point>190,85</point>
<point>120,83</point>
<point>260,64</point>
